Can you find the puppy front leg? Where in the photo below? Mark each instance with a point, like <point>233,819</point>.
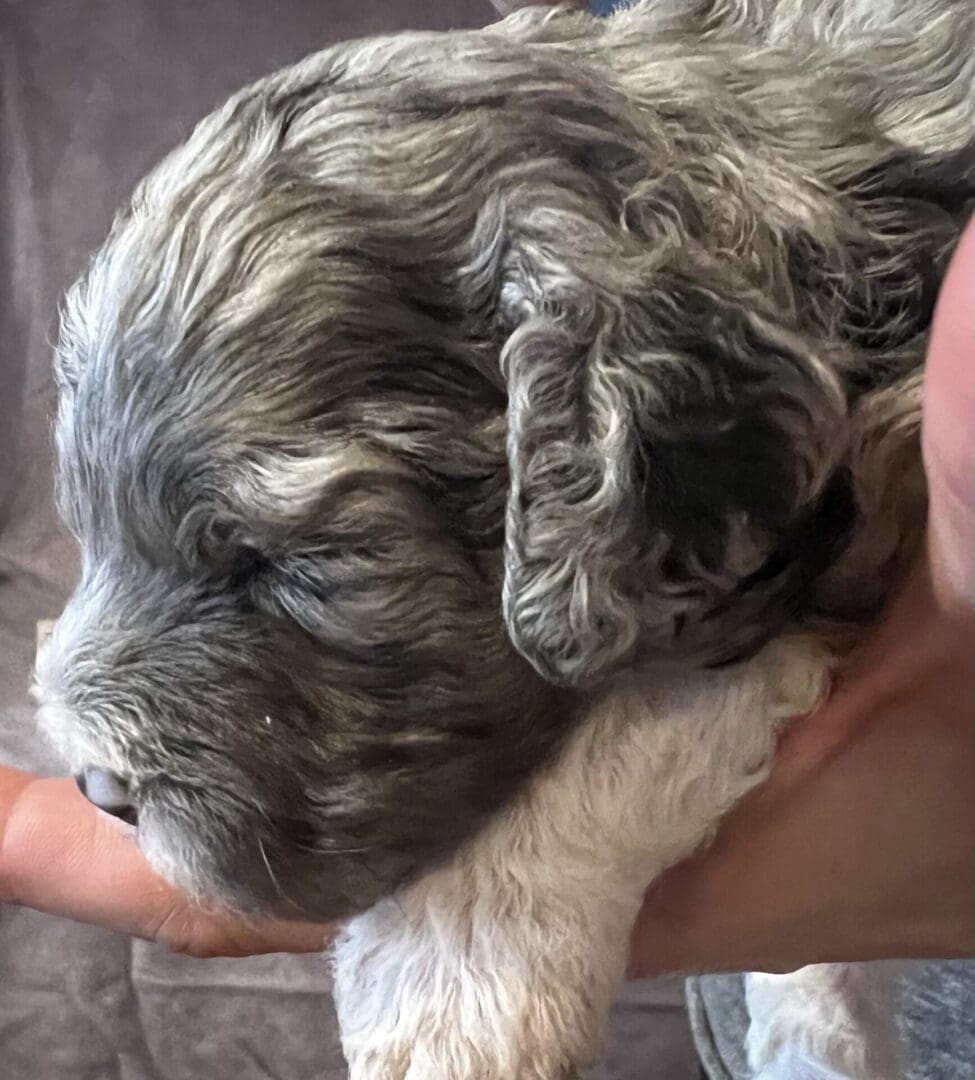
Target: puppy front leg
<point>503,964</point>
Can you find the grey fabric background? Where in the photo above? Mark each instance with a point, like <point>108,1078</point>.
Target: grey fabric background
<point>92,92</point>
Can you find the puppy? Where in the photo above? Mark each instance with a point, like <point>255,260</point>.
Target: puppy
<point>479,446</point>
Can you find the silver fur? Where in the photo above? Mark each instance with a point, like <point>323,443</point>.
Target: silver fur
<point>614,326</point>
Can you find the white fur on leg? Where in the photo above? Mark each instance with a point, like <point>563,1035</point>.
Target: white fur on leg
<point>503,964</point>
<point>837,1018</point>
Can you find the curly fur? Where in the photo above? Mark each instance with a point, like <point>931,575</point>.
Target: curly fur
<point>440,386</point>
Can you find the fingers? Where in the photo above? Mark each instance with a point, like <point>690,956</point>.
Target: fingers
<point>12,783</point>
<point>192,930</point>
<point>949,430</point>
<point>61,855</point>
<point>204,934</point>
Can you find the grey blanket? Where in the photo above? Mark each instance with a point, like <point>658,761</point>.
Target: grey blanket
<point>91,94</point>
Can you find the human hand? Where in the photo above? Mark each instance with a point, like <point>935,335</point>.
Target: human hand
<point>861,845</point>
<point>59,854</point>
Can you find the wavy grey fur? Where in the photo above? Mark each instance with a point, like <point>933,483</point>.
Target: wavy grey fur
<point>439,377</point>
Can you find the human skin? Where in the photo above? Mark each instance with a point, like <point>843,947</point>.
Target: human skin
<point>861,845</point>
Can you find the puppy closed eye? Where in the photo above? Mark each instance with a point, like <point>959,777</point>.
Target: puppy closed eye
<point>247,565</point>
<point>231,557</point>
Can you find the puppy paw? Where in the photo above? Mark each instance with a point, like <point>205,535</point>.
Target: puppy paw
<point>450,1058</point>
<point>415,1002</point>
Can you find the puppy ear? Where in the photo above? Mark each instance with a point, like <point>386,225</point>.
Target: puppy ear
<point>571,519</point>
<point>668,455</point>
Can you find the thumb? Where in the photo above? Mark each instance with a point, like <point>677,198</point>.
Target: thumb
<point>60,855</point>
<point>948,430</point>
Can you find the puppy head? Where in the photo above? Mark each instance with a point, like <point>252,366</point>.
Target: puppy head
<point>429,375</point>
<point>282,454</point>
<point>300,725</point>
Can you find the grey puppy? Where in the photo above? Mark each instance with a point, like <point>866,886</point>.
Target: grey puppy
<point>439,381</point>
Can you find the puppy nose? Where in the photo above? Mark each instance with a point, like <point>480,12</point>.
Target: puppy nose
<point>108,791</point>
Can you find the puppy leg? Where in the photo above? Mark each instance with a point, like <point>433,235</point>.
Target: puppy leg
<point>502,965</point>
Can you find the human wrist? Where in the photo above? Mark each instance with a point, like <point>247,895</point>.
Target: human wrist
<point>870,858</point>
<point>859,844</point>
